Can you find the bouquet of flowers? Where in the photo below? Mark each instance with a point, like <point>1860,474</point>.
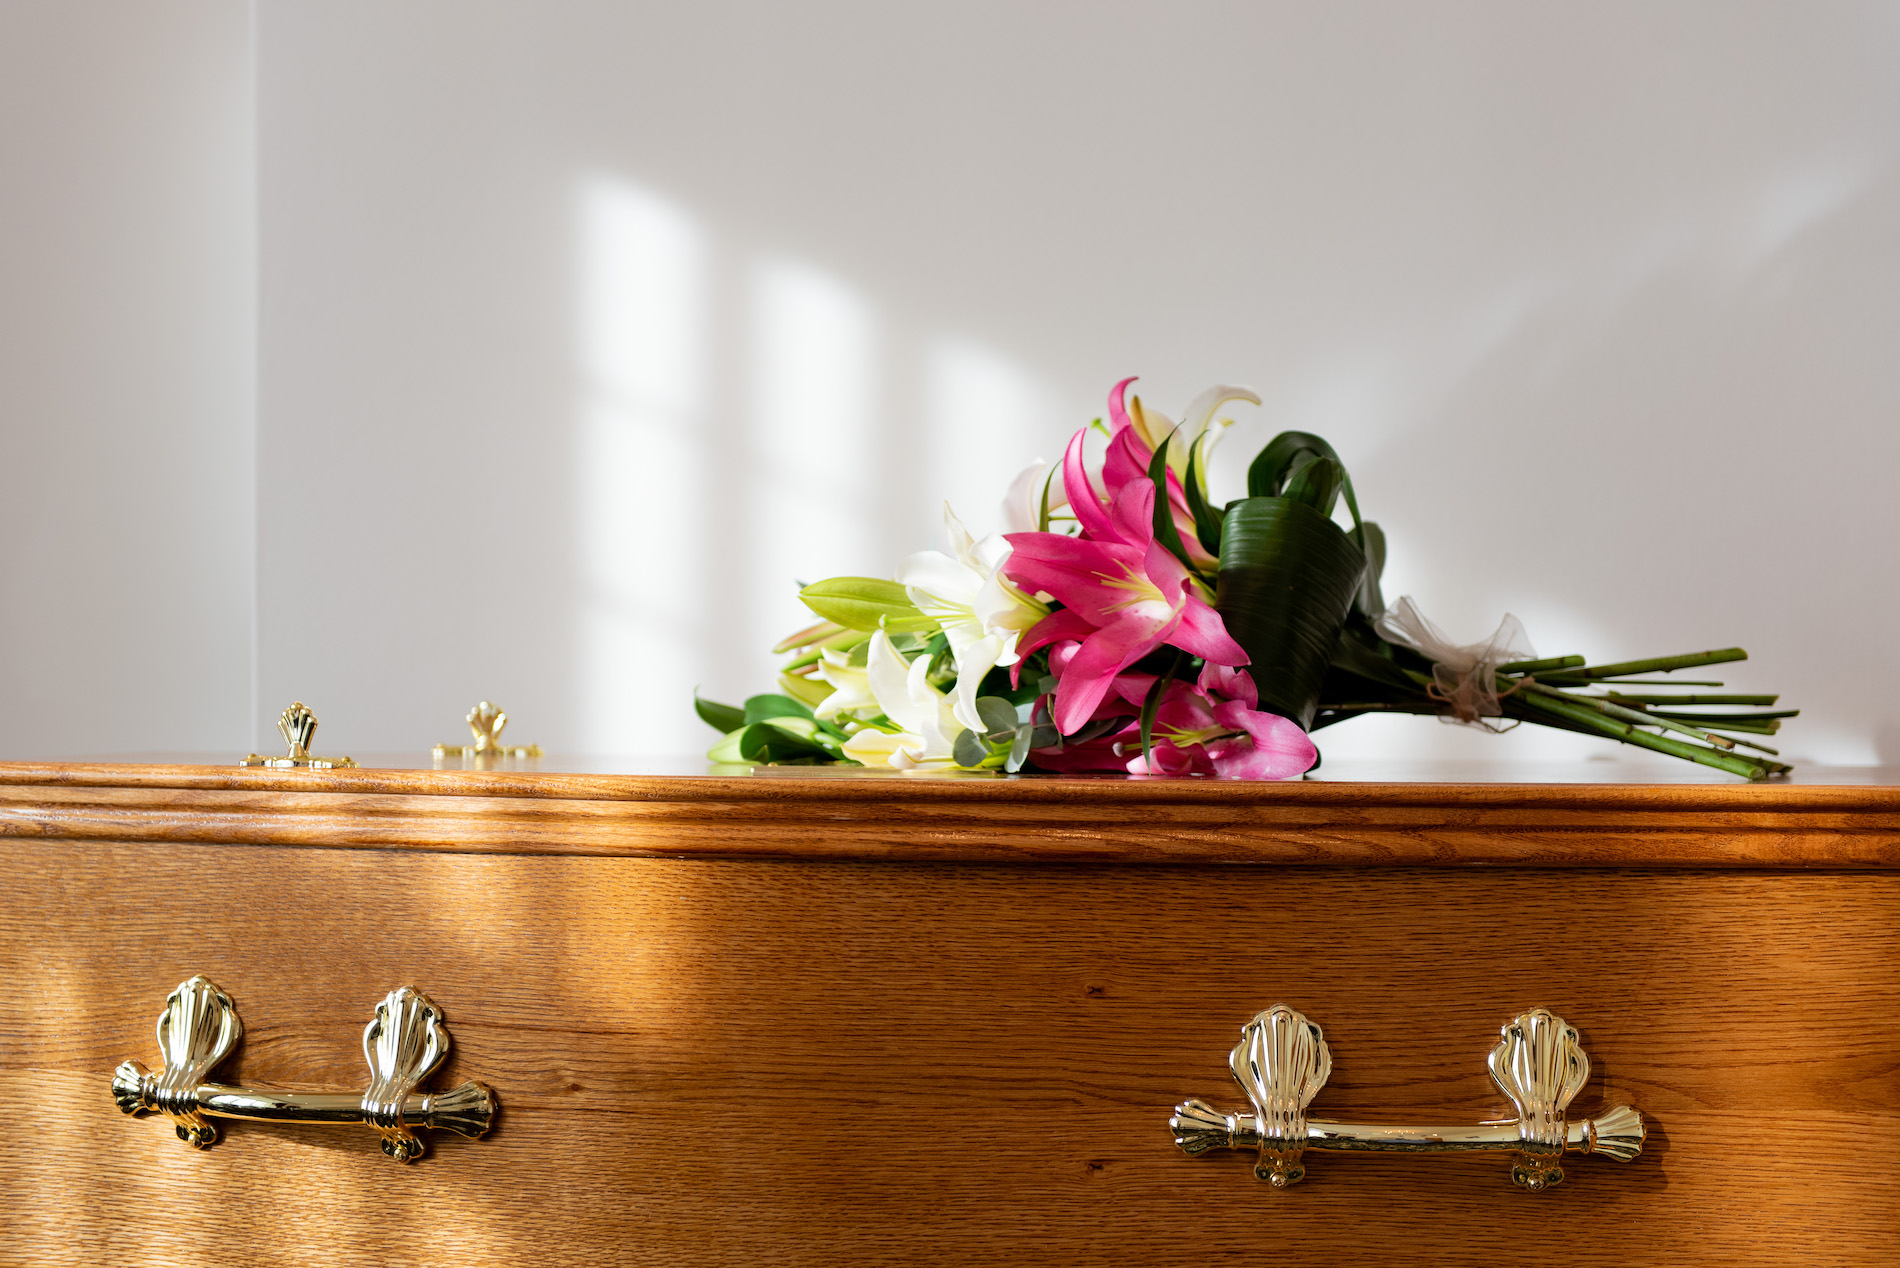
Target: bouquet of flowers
<point>1125,623</point>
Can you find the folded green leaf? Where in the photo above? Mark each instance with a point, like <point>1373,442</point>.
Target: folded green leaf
<point>1282,456</point>
<point>1287,454</point>
<point>1288,577</point>
<point>1316,484</point>
<point>1369,600</point>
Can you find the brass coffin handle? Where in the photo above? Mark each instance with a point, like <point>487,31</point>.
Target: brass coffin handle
<point>404,1042</point>
<point>1282,1061</point>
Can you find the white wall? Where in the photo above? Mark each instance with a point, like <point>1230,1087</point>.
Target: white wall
<point>126,327</point>
<point>586,329</point>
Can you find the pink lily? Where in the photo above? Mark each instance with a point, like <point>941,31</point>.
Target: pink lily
<point>1123,594</point>
<point>1196,730</point>
<point>1135,433</point>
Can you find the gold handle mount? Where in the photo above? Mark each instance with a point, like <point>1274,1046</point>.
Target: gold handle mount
<point>404,1042</point>
<point>1282,1061</point>
<point>485,723</point>
<point>298,726</point>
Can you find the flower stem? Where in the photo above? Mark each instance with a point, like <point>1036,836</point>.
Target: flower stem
<point>1662,664</point>
<point>1583,718</point>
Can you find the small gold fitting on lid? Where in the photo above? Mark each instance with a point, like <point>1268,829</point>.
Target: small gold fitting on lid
<point>485,722</point>
<point>298,726</point>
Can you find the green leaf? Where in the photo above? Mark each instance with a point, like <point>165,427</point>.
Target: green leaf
<point>1363,654</point>
<point>1019,749</point>
<point>1151,704</point>
<point>764,708</point>
<point>1288,576</point>
<point>1206,518</point>
<point>1285,455</point>
<point>865,603</point>
<point>1316,484</point>
<point>969,750</point>
<point>1369,600</point>
<point>720,717</point>
<point>1282,456</point>
<point>1165,531</point>
<point>727,750</point>
<point>776,741</point>
<point>999,716</point>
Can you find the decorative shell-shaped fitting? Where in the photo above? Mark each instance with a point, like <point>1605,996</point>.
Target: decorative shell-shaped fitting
<point>1539,1063</point>
<point>403,1043</point>
<point>485,723</point>
<point>298,726</point>
<point>197,1030</point>
<point>1281,1062</point>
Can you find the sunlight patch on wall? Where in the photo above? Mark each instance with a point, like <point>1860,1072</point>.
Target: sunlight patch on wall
<point>816,457</point>
<point>985,419</point>
<point>640,465</point>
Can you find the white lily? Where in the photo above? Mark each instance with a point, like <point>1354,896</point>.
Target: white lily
<point>981,612</point>
<point>851,685</point>
<point>902,690</point>
<point>1022,505</point>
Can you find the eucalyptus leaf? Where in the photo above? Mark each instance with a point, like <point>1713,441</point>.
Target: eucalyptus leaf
<point>865,603</point>
<point>969,750</point>
<point>1019,749</point>
<point>999,715</point>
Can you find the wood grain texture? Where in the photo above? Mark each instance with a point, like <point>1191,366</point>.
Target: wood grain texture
<point>779,1062</point>
<point>968,820</point>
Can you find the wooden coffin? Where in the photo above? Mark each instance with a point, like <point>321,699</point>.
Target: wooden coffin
<point>824,1019</point>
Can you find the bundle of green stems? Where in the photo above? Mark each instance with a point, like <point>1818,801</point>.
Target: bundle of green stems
<point>1369,675</point>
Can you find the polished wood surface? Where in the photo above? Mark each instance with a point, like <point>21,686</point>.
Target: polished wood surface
<point>861,1063</point>
<point>844,815</point>
<point>802,1018</point>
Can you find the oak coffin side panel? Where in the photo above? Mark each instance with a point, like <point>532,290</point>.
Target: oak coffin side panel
<point>996,821</point>
<point>753,1062</point>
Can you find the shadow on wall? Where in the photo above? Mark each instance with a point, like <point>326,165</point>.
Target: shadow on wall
<point>1629,458</point>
